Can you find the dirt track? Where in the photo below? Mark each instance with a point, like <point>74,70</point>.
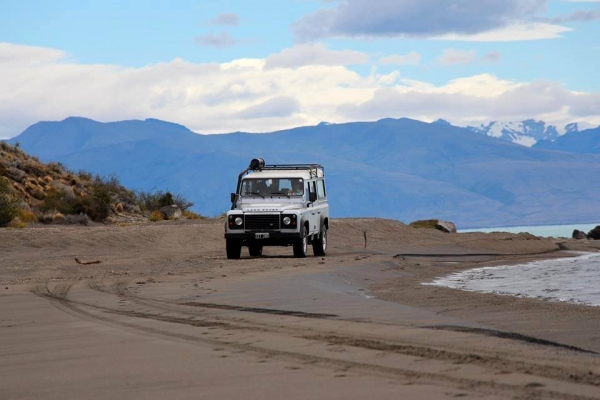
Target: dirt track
<point>165,315</point>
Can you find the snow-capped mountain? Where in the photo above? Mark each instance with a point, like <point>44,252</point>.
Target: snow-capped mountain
<point>577,127</point>
<point>528,132</point>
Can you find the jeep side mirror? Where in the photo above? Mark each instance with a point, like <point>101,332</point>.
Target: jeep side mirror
<point>233,196</point>
<point>312,197</point>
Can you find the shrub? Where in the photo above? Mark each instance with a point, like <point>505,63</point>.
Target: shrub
<point>27,216</point>
<point>118,192</point>
<point>32,168</point>
<point>84,176</point>
<point>38,194</point>
<point>148,200</point>
<point>16,174</point>
<point>182,203</point>
<point>428,224</point>
<point>80,219</point>
<point>17,223</point>
<point>9,208</point>
<point>46,218</point>
<point>156,216</point>
<point>187,214</point>
<point>60,201</point>
<point>100,203</point>
<point>166,200</point>
<point>154,200</point>
<point>97,206</point>
<point>56,167</point>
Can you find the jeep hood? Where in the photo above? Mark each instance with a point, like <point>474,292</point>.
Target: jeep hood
<point>269,207</point>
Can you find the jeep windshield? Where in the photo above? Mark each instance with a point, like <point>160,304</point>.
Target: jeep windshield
<point>289,187</point>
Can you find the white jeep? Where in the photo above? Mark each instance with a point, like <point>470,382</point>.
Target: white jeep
<point>278,205</point>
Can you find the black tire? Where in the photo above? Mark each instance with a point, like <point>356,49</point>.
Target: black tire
<point>255,250</point>
<point>233,248</point>
<point>301,245</point>
<point>320,243</point>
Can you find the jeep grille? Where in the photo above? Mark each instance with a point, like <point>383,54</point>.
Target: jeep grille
<point>262,222</point>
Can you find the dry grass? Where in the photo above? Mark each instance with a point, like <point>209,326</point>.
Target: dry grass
<point>424,223</point>
<point>187,214</point>
<point>17,224</point>
<point>27,216</point>
<point>156,216</point>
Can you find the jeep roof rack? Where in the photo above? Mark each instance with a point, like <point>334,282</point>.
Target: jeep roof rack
<point>312,168</point>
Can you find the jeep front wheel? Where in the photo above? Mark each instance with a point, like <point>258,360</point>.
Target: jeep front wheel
<point>233,248</point>
<point>301,245</point>
<point>320,243</point>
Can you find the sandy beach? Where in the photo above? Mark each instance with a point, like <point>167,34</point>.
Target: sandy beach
<point>149,311</point>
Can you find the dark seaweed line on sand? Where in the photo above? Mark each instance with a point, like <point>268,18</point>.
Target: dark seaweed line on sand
<point>473,254</point>
<point>508,335</point>
<point>260,310</point>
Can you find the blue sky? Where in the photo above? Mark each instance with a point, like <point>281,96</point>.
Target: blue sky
<point>263,65</point>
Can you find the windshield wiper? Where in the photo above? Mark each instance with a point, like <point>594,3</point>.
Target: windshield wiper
<point>256,194</point>
<point>285,194</point>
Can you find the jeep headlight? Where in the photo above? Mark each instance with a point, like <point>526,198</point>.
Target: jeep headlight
<point>239,221</point>
<point>287,220</point>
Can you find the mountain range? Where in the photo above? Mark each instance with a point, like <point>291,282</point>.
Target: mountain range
<point>527,132</point>
<point>393,168</point>
<point>587,142</point>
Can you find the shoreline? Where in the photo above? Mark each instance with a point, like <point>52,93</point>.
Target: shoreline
<point>573,324</point>
<point>556,231</point>
<point>467,280</point>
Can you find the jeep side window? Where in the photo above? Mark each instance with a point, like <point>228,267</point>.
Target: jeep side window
<point>312,187</point>
<point>320,189</point>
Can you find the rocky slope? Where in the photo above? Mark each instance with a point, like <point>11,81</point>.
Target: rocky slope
<point>32,191</point>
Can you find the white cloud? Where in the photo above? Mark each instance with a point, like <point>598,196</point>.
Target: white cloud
<point>41,84</point>
<point>452,57</point>
<point>19,54</point>
<point>512,33</point>
<point>276,107</point>
<point>314,54</point>
<point>467,100</point>
<point>413,58</point>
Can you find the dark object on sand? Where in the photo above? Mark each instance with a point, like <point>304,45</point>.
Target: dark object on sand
<point>78,261</point>
<point>594,233</point>
<point>365,235</point>
<point>579,235</point>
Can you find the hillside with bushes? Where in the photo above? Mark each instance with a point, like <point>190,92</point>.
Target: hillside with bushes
<point>35,192</point>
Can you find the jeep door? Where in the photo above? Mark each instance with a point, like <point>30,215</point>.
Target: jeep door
<point>320,208</point>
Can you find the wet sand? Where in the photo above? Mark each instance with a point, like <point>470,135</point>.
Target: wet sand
<point>165,315</point>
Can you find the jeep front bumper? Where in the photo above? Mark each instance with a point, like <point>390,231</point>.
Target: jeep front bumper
<point>272,235</point>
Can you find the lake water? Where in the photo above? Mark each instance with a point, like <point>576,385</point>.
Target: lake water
<point>574,280</point>
<point>540,230</point>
